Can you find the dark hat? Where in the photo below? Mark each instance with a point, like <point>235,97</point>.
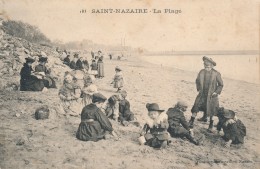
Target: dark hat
<point>98,97</point>
<point>43,59</point>
<point>118,68</point>
<point>153,107</point>
<point>182,104</point>
<point>229,114</point>
<point>29,60</point>
<point>205,58</point>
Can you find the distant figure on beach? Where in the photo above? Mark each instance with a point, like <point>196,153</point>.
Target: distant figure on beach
<point>118,80</point>
<point>41,68</point>
<point>92,55</point>
<point>233,128</point>
<point>209,85</point>
<point>125,114</point>
<point>155,129</point>
<point>178,126</point>
<point>88,90</point>
<point>110,56</point>
<point>70,96</point>
<point>29,81</point>
<point>100,65</point>
<point>94,68</point>
<point>94,124</point>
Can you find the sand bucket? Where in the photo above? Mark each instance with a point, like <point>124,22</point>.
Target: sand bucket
<point>141,140</point>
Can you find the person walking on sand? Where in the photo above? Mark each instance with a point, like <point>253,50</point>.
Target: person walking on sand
<point>118,80</point>
<point>178,126</point>
<point>209,85</point>
<point>94,124</point>
<point>155,129</point>
<point>233,128</point>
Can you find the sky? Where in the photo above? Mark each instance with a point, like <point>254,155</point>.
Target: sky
<point>201,25</point>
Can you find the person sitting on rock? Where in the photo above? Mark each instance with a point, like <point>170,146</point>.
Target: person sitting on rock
<point>233,128</point>
<point>178,126</point>
<point>94,124</point>
<point>28,81</point>
<point>47,79</point>
<point>155,129</point>
<point>79,64</point>
<point>66,60</point>
<point>74,61</point>
<point>125,114</point>
<point>70,96</point>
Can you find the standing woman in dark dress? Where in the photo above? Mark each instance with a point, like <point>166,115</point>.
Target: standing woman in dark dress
<point>94,124</point>
<point>100,65</point>
<point>28,81</point>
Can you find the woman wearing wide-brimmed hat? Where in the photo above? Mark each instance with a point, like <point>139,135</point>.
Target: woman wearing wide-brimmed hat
<point>47,79</point>
<point>118,80</point>
<point>155,129</point>
<point>233,128</point>
<point>28,81</point>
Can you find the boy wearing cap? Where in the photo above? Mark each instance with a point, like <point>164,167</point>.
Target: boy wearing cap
<point>209,85</point>
<point>94,124</point>
<point>178,126</point>
<point>233,128</point>
<point>28,81</point>
<point>155,129</point>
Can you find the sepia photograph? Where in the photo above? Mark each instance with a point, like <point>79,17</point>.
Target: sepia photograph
<point>133,84</point>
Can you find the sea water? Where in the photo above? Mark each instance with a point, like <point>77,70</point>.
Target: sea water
<point>239,67</point>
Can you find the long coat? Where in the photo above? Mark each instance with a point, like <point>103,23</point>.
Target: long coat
<point>94,124</point>
<point>29,82</point>
<point>100,65</point>
<point>216,85</point>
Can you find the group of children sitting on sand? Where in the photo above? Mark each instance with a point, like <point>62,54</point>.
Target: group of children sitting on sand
<point>96,111</point>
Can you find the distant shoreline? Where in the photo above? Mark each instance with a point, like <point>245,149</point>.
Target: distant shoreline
<point>242,52</point>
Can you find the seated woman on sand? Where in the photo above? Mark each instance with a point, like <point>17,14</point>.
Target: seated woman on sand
<point>47,79</point>
<point>94,124</point>
<point>233,128</point>
<point>70,96</point>
<point>155,130</point>
<point>29,81</point>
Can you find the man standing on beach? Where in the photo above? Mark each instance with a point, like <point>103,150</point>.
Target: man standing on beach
<point>209,85</point>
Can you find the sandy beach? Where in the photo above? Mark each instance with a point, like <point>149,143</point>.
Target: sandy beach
<point>29,143</point>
